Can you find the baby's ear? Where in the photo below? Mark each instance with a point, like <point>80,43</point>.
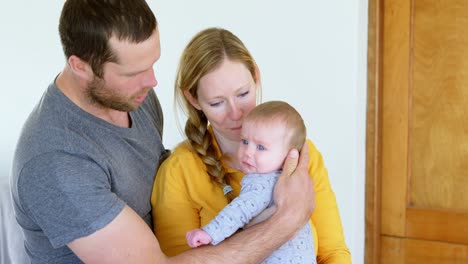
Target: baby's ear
<point>192,100</point>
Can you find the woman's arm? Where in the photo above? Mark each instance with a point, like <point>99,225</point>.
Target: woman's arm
<point>174,210</point>
<point>326,218</point>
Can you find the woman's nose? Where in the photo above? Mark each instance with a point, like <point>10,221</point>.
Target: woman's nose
<point>235,113</point>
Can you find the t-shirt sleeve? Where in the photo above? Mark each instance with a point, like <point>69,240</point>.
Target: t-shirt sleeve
<point>68,196</point>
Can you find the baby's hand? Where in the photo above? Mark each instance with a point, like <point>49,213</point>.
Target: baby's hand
<point>197,237</point>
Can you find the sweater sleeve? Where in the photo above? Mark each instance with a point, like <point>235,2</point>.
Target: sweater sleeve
<point>326,218</point>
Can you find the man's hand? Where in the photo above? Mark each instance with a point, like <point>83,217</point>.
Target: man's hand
<point>294,193</point>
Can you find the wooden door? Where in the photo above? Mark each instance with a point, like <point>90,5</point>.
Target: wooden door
<point>417,132</point>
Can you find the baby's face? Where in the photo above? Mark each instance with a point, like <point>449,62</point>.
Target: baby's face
<point>263,147</point>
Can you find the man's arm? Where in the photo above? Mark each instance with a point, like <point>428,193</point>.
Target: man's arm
<point>127,239</point>
<point>264,215</point>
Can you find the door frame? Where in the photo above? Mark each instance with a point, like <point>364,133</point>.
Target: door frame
<point>373,132</point>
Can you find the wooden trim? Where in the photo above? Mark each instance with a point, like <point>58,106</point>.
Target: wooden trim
<point>394,117</point>
<point>404,250</point>
<point>393,250</point>
<point>437,225</point>
<point>373,133</point>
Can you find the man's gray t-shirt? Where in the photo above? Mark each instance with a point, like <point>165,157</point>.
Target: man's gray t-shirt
<point>73,172</point>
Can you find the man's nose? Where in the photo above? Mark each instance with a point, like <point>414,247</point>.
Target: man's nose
<point>149,79</point>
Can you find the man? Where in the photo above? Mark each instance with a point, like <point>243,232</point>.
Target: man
<point>87,156</point>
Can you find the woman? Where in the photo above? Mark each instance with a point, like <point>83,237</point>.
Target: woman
<point>218,83</point>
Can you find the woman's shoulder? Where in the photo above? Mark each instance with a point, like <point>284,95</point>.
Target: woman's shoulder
<point>182,157</point>
<point>316,162</point>
<point>182,152</point>
<point>312,148</point>
<point>181,166</point>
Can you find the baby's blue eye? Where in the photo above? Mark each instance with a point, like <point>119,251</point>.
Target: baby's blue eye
<point>260,147</point>
<point>245,142</point>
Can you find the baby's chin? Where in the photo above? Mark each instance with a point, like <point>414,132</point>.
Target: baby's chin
<point>248,169</point>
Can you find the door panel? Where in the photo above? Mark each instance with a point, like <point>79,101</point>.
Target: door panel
<point>437,225</point>
<point>411,251</point>
<point>439,94</point>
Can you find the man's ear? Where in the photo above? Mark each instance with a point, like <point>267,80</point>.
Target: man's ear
<point>80,68</point>
<point>192,100</point>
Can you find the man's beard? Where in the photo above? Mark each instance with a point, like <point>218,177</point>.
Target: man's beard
<point>100,96</point>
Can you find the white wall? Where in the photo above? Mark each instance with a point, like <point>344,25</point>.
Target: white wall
<point>310,53</point>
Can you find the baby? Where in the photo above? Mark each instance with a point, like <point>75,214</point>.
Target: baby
<point>268,133</point>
